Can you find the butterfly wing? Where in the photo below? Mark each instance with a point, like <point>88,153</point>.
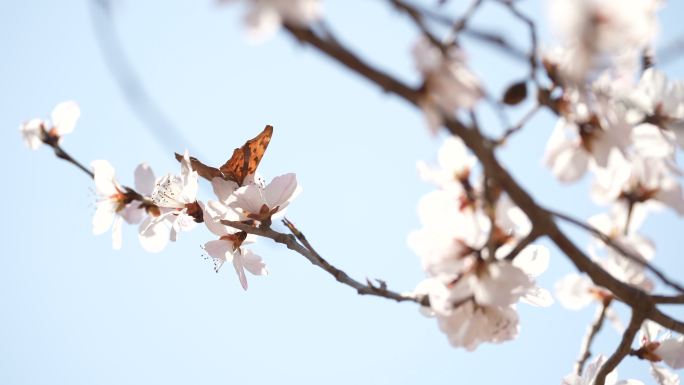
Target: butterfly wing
<point>245,159</point>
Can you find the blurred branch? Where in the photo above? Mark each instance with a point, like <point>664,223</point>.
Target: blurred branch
<point>620,249</point>
<point>135,94</point>
<point>594,329</point>
<point>623,348</point>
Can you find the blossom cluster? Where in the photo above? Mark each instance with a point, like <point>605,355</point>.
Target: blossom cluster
<point>466,247</point>
<point>164,207</point>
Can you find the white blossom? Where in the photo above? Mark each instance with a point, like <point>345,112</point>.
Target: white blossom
<point>228,248</point>
<point>256,202</point>
<point>177,197</point>
<point>62,121</point>
<point>589,374</point>
<point>660,103</point>
<point>115,204</point>
<point>449,84</point>
<point>264,17</point>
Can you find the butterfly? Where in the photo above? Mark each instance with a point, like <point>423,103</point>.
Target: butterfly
<point>242,163</point>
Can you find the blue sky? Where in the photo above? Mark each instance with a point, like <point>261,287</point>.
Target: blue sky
<point>75,311</point>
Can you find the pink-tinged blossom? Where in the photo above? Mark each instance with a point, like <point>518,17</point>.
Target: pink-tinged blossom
<point>640,180</point>
<point>658,345</point>
<point>621,267</point>
<point>595,32</point>
<point>659,102</point>
<point>177,197</point>
<point>575,291</point>
<point>449,84</point>
<point>62,121</point>
<point>582,139</point>
<point>264,17</point>
<point>256,202</point>
<point>152,234</point>
<point>469,325</point>
<point>455,164</point>
<point>228,248</point>
<point>115,204</point>
<point>588,376</point>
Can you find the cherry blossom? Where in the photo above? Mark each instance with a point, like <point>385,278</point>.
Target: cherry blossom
<point>229,245</point>
<point>455,165</point>
<point>641,180</point>
<point>469,325</point>
<point>62,121</point>
<point>595,31</point>
<point>264,17</point>
<point>177,197</point>
<point>582,139</point>
<point>660,103</point>
<point>256,202</point>
<point>588,376</point>
<point>116,203</point>
<point>449,84</point>
<point>152,234</point>
<point>657,346</point>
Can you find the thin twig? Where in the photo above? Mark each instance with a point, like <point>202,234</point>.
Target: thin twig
<point>620,249</point>
<point>592,332</point>
<point>523,121</point>
<point>529,238</point>
<point>532,56</point>
<point>305,249</point>
<point>623,348</point>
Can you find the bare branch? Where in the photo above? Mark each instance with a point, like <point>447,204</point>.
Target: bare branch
<point>668,299</point>
<point>529,238</point>
<point>623,348</point>
<point>620,249</point>
<point>592,331</point>
<point>512,130</point>
<point>666,321</point>
<point>305,249</point>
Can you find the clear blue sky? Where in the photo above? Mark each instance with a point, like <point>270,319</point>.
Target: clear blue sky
<point>76,312</point>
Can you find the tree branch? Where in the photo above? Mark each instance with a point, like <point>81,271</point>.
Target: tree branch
<point>594,329</point>
<point>622,350</point>
<point>292,241</point>
<point>620,249</point>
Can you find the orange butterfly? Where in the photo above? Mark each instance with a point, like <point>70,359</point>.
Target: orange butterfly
<point>243,162</point>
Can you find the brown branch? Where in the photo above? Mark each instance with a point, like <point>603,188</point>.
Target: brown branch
<point>668,299</point>
<point>484,150</point>
<point>666,321</point>
<point>623,348</point>
<point>592,332</point>
<point>512,130</point>
<point>620,249</point>
<point>523,243</point>
<point>478,34</point>
<point>418,19</point>
<point>298,243</point>
<point>60,153</point>
<point>532,56</point>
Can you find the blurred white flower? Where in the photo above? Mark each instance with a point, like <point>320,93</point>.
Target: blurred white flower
<point>264,17</point>
<point>596,31</point>
<point>660,103</point>
<point>62,121</point>
<point>589,375</point>
<point>449,84</point>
